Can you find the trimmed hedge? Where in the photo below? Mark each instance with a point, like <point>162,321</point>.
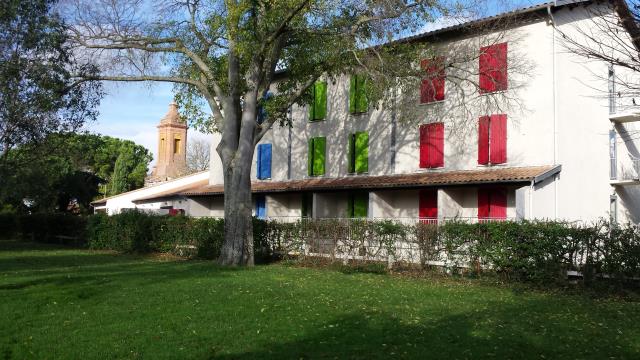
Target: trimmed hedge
<point>44,227</point>
<point>134,231</point>
<point>540,251</point>
<point>8,225</point>
<point>545,250</point>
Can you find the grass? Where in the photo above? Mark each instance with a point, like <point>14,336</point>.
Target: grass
<point>58,303</point>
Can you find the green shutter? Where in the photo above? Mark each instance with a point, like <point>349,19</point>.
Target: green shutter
<point>352,94</point>
<point>310,158</point>
<point>360,205</point>
<point>351,153</point>
<point>320,100</point>
<point>319,145</point>
<point>358,102</point>
<point>362,105</point>
<point>362,152</point>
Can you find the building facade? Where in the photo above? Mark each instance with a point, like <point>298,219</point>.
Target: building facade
<point>528,136</point>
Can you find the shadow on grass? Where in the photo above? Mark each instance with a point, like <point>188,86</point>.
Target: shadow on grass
<point>72,267</point>
<point>525,331</point>
<point>19,245</point>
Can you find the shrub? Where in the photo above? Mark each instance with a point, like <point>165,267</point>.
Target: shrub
<point>56,228</point>
<point>8,225</point>
<point>539,251</point>
<point>134,231</point>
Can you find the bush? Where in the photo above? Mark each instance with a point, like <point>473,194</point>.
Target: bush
<point>130,231</point>
<point>135,231</point>
<point>8,225</point>
<point>53,228</point>
<point>538,251</point>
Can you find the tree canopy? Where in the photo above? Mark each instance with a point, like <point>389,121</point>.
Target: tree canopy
<point>69,167</point>
<point>37,92</point>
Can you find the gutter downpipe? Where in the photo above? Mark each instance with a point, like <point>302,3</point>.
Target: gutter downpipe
<point>555,125</point>
<point>531,189</point>
<point>392,144</point>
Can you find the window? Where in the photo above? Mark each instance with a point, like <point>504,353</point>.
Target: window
<point>176,146</point>
<point>492,139</point>
<point>317,151</point>
<point>162,146</point>
<point>611,82</point>
<point>613,209</point>
<point>358,205</point>
<point>492,204</point>
<point>493,68</point>
<point>307,205</point>
<point>432,88</point>
<point>358,102</point>
<point>263,165</point>
<point>428,205</point>
<point>318,106</point>
<point>432,145</point>
<point>358,153</point>
<point>261,206</point>
<point>262,110</point>
<point>613,155</point>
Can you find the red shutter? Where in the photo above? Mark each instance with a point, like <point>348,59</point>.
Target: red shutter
<point>424,146</point>
<point>498,151</point>
<point>431,145</point>
<point>498,203</point>
<point>483,140</point>
<point>432,87</point>
<point>426,89</point>
<point>437,145</point>
<point>483,203</point>
<point>493,68</point>
<point>428,206</point>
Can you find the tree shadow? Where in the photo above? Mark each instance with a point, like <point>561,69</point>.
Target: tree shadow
<point>498,331</point>
<point>98,270</point>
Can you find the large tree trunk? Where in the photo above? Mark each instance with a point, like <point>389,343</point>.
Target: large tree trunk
<point>237,249</point>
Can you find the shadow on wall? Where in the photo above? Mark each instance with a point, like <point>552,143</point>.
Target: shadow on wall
<point>629,196</point>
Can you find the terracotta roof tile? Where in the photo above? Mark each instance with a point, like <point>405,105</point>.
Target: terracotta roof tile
<point>427,178</point>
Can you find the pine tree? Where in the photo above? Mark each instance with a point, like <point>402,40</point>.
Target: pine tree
<point>119,183</point>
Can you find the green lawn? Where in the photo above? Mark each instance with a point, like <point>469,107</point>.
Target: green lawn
<point>76,304</point>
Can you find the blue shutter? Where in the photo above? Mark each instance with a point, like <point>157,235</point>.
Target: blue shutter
<point>266,161</point>
<point>259,162</point>
<point>263,168</point>
<point>261,207</point>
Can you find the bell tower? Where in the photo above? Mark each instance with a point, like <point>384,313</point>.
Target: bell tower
<point>172,147</point>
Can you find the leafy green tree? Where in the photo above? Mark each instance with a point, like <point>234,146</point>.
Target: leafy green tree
<point>69,167</point>
<point>130,169</point>
<point>228,54</point>
<point>119,183</point>
<point>38,95</point>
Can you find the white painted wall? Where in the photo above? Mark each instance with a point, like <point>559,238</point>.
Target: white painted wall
<point>562,118</point>
<point>116,204</point>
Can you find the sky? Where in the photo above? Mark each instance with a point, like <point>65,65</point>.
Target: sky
<point>132,110</point>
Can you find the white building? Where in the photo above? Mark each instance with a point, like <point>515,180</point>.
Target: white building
<point>563,151</point>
